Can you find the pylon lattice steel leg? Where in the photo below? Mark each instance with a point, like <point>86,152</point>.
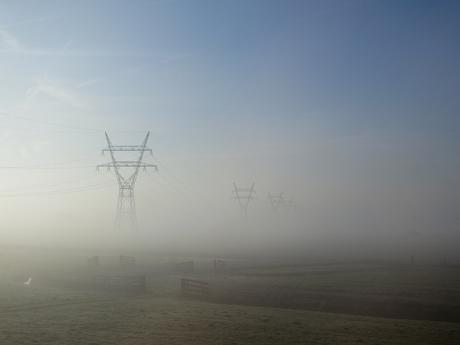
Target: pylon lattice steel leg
<point>126,210</point>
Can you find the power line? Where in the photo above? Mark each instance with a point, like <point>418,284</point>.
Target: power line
<point>149,200</point>
<point>50,123</point>
<point>41,166</point>
<point>164,196</point>
<point>178,199</point>
<point>179,181</point>
<point>43,131</point>
<point>43,185</point>
<point>24,168</point>
<point>152,202</point>
<point>65,191</point>
<point>196,172</point>
<point>164,168</point>
<point>86,130</point>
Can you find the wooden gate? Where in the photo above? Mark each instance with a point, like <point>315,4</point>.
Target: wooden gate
<point>219,265</point>
<point>194,288</point>
<point>119,283</point>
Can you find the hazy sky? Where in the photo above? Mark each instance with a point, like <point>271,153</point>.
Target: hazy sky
<point>350,107</point>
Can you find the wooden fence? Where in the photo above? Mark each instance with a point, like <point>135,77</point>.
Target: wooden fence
<point>119,283</point>
<point>127,260</point>
<point>123,260</point>
<point>93,262</point>
<point>194,288</point>
<point>182,267</point>
<point>219,265</point>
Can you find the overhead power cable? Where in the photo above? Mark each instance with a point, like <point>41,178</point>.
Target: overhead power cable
<point>47,166</point>
<point>62,168</point>
<point>49,184</point>
<point>145,197</point>
<point>44,131</point>
<point>83,130</point>
<point>65,191</point>
<point>166,189</point>
<point>196,172</point>
<point>178,181</point>
<point>52,124</point>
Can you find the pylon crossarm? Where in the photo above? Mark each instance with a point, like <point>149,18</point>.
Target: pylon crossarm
<point>127,148</point>
<point>106,165</point>
<point>245,197</point>
<point>151,165</point>
<point>128,164</point>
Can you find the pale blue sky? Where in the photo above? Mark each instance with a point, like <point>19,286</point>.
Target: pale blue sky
<point>348,106</point>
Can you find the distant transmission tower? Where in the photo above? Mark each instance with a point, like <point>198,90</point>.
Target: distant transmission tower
<point>275,201</point>
<point>298,209</point>
<point>243,199</point>
<point>126,209</point>
<point>287,206</point>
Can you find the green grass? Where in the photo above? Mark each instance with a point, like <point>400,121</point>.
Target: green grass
<point>47,314</point>
<point>426,282</point>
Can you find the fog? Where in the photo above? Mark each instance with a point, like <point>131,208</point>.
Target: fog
<point>349,110</point>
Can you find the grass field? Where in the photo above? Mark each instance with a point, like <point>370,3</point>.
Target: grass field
<point>59,306</point>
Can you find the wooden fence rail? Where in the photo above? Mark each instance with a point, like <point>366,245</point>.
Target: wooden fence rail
<point>123,260</point>
<point>182,267</point>
<point>195,288</point>
<point>219,265</point>
<point>93,262</point>
<point>120,283</point>
<point>127,260</point>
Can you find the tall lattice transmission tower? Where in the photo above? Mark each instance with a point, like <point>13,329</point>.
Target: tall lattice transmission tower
<point>244,198</point>
<point>126,208</point>
<point>275,201</point>
<point>288,205</point>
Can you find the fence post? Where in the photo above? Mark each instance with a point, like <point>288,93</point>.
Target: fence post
<point>143,284</point>
<point>182,286</point>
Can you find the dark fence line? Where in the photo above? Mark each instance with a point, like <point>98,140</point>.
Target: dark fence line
<point>93,262</point>
<point>123,260</point>
<point>219,265</point>
<point>182,267</point>
<point>194,288</point>
<point>127,260</point>
<point>120,283</point>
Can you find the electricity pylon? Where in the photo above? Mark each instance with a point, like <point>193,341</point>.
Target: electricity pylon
<point>290,205</point>
<point>298,209</point>
<point>126,208</point>
<point>243,199</point>
<point>287,206</point>
<point>276,201</point>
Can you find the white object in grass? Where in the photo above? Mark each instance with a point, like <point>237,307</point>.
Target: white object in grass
<point>28,282</point>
